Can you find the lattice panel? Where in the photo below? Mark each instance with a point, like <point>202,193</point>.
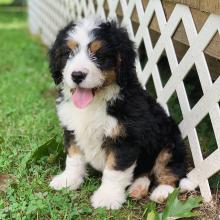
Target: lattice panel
<point>46,17</point>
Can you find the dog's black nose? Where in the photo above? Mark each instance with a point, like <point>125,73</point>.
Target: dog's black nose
<point>78,76</point>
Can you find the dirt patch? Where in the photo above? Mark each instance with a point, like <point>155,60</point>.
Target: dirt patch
<point>50,93</point>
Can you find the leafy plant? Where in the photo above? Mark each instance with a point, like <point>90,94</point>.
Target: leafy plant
<point>175,209</point>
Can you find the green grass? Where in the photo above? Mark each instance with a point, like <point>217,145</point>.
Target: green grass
<point>28,120</point>
<point>5,2</point>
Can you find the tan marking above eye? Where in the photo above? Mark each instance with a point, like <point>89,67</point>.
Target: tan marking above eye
<point>95,46</point>
<point>72,44</point>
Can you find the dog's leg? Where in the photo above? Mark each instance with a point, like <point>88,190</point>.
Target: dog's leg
<point>74,172</point>
<point>111,193</point>
<point>164,177</point>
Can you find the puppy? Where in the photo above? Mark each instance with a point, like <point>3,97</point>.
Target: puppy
<point>109,120</point>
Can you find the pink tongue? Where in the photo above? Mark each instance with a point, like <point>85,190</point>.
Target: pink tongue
<point>82,97</point>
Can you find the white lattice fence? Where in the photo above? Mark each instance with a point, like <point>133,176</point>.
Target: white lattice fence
<point>46,17</point>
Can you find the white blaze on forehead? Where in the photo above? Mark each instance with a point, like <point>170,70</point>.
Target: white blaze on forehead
<point>82,32</point>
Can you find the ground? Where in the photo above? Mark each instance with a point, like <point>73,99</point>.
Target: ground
<point>28,126</point>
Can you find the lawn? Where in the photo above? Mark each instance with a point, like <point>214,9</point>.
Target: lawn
<point>27,121</point>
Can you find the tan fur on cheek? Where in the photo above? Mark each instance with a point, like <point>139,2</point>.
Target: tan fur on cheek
<point>73,150</point>
<point>72,44</point>
<point>118,131</point>
<point>95,46</point>
<point>110,77</point>
<point>164,175</point>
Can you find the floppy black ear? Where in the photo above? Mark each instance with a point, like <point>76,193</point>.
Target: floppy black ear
<point>122,47</point>
<point>59,53</point>
<point>126,61</point>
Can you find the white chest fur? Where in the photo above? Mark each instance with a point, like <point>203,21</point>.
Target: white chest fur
<point>90,125</point>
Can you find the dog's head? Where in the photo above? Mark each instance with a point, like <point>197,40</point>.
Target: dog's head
<point>90,55</point>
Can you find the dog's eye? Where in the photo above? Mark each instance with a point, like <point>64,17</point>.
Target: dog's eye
<point>73,52</point>
<point>92,56</point>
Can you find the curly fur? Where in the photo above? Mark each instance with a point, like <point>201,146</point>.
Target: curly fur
<point>142,130</point>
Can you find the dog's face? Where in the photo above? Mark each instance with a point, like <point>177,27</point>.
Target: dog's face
<point>90,55</point>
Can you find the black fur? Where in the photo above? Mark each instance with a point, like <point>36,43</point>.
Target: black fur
<point>69,138</point>
<point>148,131</point>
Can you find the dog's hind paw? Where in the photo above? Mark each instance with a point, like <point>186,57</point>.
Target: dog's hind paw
<point>160,193</point>
<point>139,188</point>
<point>66,180</point>
<point>186,185</point>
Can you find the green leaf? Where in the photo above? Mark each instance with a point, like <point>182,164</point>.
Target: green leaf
<point>46,149</point>
<point>150,212</point>
<point>176,209</point>
<point>151,206</point>
<point>151,215</point>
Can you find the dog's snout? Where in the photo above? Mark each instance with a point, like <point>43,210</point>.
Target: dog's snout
<point>78,76</point>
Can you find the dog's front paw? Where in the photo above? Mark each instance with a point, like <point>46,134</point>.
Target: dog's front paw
<point>109,199</point>
<point>66,180</point>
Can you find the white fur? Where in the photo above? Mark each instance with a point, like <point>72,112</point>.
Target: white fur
<point>161,192</point>
<point>82,31</point>
<point>111,193</point>
<point>90,124</point>
<point>110,126</point>
<point>186,185</point>
<point>141,183</point>
<point>72,176</point>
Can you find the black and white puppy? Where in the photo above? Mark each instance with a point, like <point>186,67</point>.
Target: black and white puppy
<point>109,120</point>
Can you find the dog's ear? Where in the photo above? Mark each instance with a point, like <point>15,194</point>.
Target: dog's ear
<point>126,58</point>
<point>123,48</point>
<point>59,53</point>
